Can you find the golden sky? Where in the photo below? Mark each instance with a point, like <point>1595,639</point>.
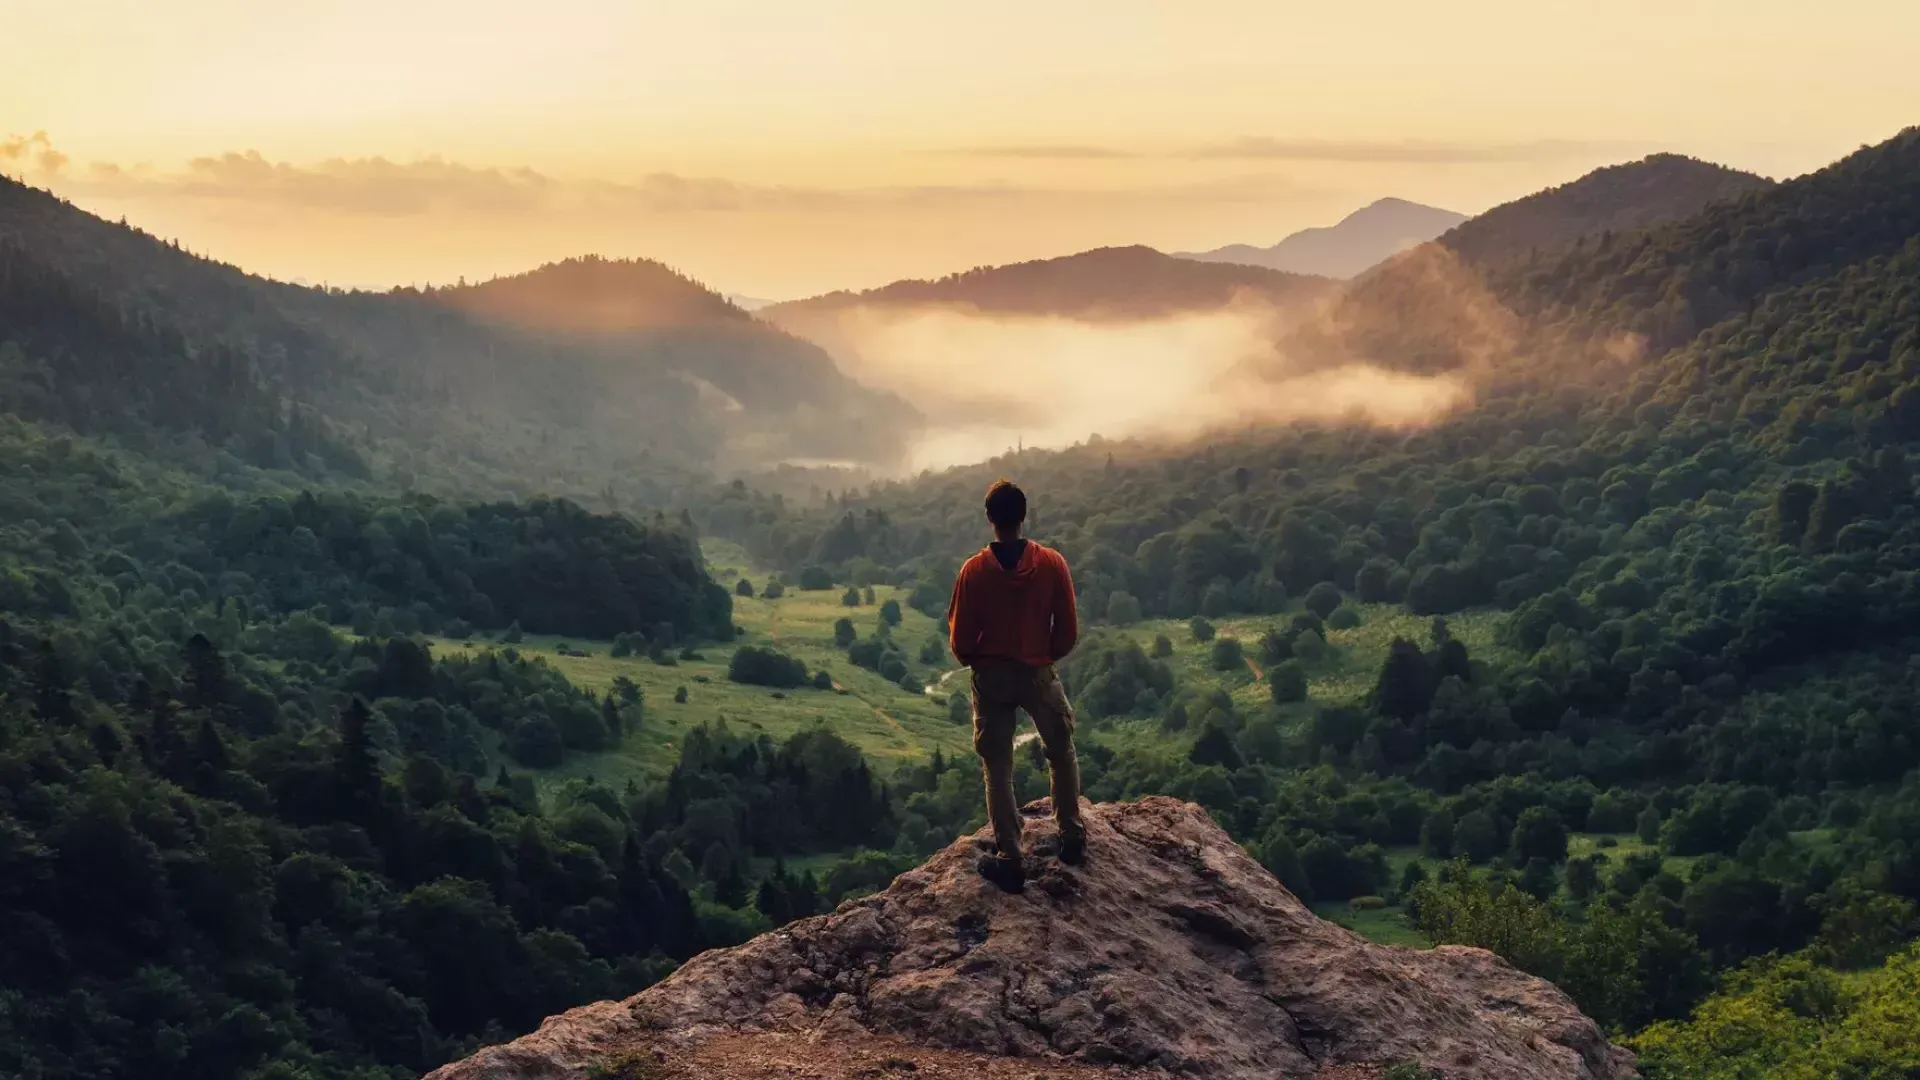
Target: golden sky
<point>782,148</point>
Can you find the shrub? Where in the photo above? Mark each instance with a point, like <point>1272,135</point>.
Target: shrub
<point>679,695</point>
<point>1227,655</point>
<point>1123,609</point>
<point>1287,681</point>
<point>1162,646</point>
<point>773,591</point>
<point>1201,629</point>
<point>759,666</point>
<point>1309,646</point>
<point>815,579</point>
<point>850,598</point>
<point>1367,903</point>
<point>1344,617</point>
<point>890,613</point>
<point>744,588</point>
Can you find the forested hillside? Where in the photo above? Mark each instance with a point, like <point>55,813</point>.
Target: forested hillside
<point>1701,550</point>
<point>465,391</point>
<point>1619,198</point>
<point>302,774</point>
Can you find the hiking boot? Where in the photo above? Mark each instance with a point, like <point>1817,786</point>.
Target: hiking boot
<point>1073,846</point>
<point>1003,871</point>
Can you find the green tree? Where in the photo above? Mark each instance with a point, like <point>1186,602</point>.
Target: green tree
<point>1200,628</point>
<point>1647,825</point>
<point>1323,599</point>
<point>1287,682</point>
<point>1122,608</point>
<point>1436,834</point>
<point>1539,834</point>
<point>1226,655</point>
<point>1476,836</point>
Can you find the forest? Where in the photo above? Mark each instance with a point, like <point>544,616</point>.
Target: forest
<point>290,791</point>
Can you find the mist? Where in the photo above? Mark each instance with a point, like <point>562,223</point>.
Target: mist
<point>990,382</point>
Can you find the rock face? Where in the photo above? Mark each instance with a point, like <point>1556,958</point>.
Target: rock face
<point>1170,952</point>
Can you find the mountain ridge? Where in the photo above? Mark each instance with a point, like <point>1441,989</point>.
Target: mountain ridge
<point>1655,190</point>
<point>622,359</point>
<point>1362,239</point>
<point>1128,282</point>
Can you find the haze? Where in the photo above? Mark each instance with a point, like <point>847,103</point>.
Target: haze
<point>780,150</point>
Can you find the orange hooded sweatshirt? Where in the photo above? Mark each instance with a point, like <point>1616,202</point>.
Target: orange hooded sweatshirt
<point>1025,614</point>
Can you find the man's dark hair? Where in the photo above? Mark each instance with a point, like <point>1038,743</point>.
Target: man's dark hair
<point>1006,504</point>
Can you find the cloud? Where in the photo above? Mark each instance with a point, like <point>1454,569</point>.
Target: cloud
<point>1170,377</point>
<point>381,187</point>
<point>1406,151</point>
<point>1350,151</point>
<point>35,148</point>
<point>1063,151</point>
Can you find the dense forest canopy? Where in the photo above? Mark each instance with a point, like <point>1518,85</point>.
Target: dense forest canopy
<point>287,792</point>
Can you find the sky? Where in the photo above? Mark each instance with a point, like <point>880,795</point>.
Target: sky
<point>780,149</point>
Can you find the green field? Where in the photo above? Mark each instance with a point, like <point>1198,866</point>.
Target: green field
<point>1345,675</point>
<point>887,723</point>
<point>1382,926</point>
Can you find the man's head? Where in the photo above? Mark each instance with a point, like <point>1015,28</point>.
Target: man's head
<point>1006,508</point>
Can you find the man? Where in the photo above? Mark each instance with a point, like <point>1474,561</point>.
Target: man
<point>1011,619</point>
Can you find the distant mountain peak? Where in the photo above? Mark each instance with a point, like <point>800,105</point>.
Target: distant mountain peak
<point>1375,232</point>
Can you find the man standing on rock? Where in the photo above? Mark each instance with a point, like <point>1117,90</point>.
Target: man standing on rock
<point>1012,618</point>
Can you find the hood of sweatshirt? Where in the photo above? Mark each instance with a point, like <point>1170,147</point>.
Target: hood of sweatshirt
<point>1023,570</point>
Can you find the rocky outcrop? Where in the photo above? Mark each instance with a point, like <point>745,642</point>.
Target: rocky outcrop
<point>1170,952</point>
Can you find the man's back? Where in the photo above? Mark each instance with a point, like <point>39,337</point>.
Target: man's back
<point>1023,613</point>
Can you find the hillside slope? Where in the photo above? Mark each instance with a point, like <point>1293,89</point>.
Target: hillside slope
<point>1358,241</point>
<point>1637,195</point>
<point>1170,951</point>
<point>493,388</point>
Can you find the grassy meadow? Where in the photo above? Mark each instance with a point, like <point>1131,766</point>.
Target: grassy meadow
<point>887,723</point>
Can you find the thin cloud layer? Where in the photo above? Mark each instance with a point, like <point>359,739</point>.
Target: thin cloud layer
<point>1341,151</point>
<point>381,187</point>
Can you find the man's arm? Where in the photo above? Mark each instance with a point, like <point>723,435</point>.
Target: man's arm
<point>1066,617</point>
<point>963,625</point>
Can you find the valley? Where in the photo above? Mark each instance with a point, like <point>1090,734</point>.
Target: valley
<point>383,673</point>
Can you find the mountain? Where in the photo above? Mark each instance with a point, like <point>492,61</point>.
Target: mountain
<point>1170,951</point>
<point>583,377</point>
<point>1620,198</point>
<point>1479,295</point>
<point>1362,239</point>
<point>1114,283</point>
<point>780,396</point>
